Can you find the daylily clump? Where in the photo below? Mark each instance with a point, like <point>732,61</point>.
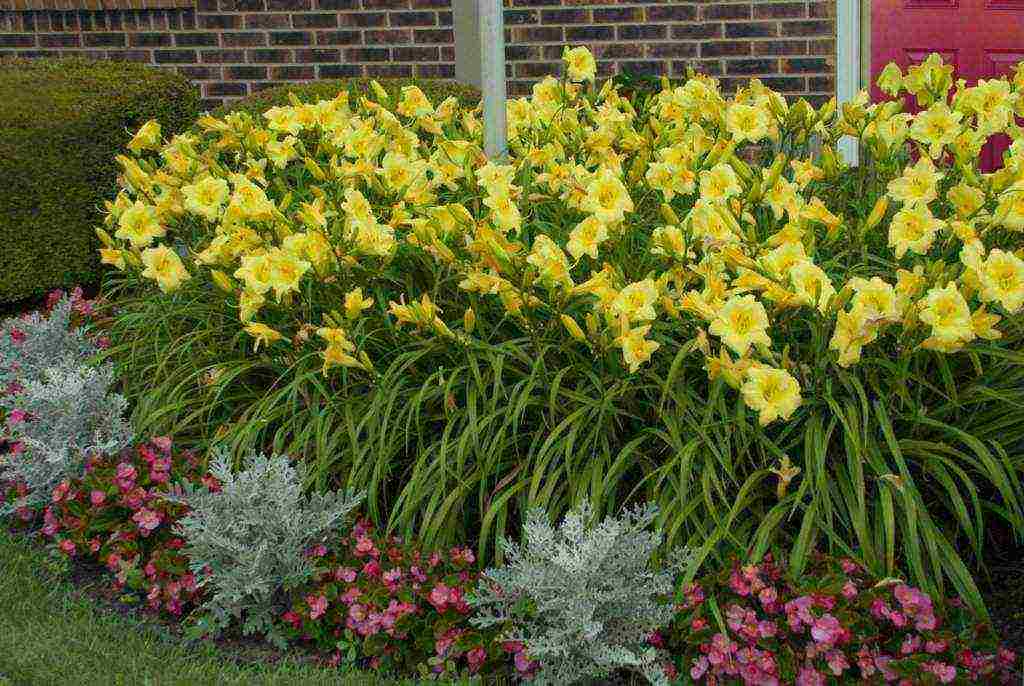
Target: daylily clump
<point>639,219</point>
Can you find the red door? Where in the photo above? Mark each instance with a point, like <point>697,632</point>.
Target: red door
<point>982,39</point>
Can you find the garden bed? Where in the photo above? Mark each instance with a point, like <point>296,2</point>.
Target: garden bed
<point>660,394</point>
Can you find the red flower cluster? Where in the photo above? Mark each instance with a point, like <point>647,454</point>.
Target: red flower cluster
<point>757,626</point>
<point>117,515</point>
<point>381,603</point>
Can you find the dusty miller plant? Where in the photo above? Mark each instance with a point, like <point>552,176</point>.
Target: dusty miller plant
<point>59,419</point>
<point>247,543</point>
<point>30,345</point>
<point>582,599</point>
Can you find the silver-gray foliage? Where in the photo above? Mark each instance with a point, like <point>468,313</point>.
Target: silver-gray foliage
<point>247,542</point>
<point>69,413</point>
<point>582,599</point>
<point>32,344</point>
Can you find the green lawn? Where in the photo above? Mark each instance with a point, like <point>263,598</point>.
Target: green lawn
<point>50,635</point>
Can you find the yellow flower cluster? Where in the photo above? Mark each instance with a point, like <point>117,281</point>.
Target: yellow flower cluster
<point>686,216</point>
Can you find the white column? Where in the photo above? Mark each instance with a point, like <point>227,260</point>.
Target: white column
<point>848,65</point>
<point>467,43</point>
<point>492,60</point>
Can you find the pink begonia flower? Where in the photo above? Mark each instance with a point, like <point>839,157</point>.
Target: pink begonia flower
<point>125,476</point>
<point>826,629</point>
<point>292,618</point>
<point>317,606</point>
<point>94,545</point>
<point>440,597</point>
<point>364,546</point>
<point>61,491</point>
<point>837,661</point>
<point>372,569</point>
<point>476,658</point>
<point>699,668</point>
<point>699,624</point>
<point>936,646</point>
<point>849,590</point>
<point>346,574</point>
<point>16,416</point>
<point>163,443</point>
<point>147,520</point>
<point>945,673</point>
<point>809,676</point>
<point>17,336</point>
<point>393,576</point>
<point>911,644</point>
<point>463,556</point>
<point>319,550</point>
<point>351,595</point>
<point>738,583</point>
<point>97,498</point>
<point>68,547</point>
<point>882,663</point>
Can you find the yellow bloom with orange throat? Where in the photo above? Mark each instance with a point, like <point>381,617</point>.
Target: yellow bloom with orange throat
<point>164,266</point>
<point>1002,280</point>
<point>139,225</point>
<point>773,393</point>
<point>946,311</point>
<point>742,322</point>
<point>636,348</point>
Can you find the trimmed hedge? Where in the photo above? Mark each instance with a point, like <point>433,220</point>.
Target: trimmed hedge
<point>61,124</point>
<point>319,90</point>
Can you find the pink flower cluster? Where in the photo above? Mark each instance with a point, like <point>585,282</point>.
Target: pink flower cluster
<point>386,601</point>
<point>830,626</point>
<point>117,515</point>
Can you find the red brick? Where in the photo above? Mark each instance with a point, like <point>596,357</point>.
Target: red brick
<point>726,11</point>
<point>780,10</point>
<point>389,71</point>
<point>780,47</point>
<point>724,48</point>
<point>751,30</point>
<point>339,37</point>
<point>314,21</point>
<point>310,55</point>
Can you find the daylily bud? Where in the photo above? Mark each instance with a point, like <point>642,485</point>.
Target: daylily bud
<point>469,320</point>
<point>105,238</point>
<point>669,215</point>
<point>877,212</point>
<point>573,328</point>
<point>222,281</point>
<point>315,169</point>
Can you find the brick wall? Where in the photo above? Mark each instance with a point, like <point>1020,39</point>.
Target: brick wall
<point>235,47</point>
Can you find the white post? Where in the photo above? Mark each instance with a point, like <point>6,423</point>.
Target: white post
<point>467,43</point>
<point>848,66</point>
<point>492,60</point>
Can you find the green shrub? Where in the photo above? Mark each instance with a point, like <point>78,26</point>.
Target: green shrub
<point>61,124</point>
<point>319,90</point>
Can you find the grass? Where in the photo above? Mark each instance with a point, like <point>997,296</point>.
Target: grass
<point>50,634</point>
